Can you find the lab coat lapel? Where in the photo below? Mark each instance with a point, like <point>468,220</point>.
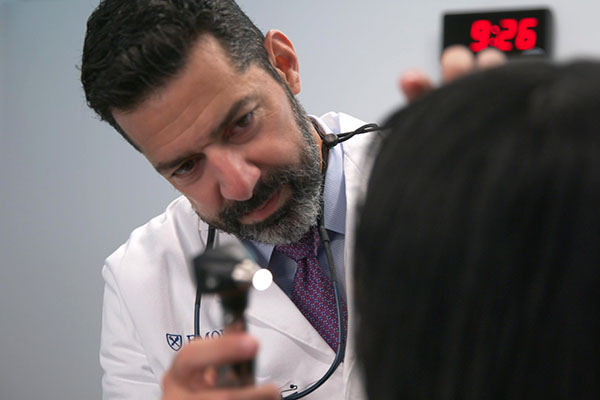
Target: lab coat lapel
<point>274,308</point>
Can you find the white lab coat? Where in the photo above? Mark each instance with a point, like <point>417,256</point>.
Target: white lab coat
<point>149,301</point>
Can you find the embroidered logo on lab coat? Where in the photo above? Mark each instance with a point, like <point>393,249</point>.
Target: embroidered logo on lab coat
<point>174,341</point>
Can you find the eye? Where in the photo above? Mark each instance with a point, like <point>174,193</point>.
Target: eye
<point>185,169</point>
<point>244,121</point>
<point>242,125</point>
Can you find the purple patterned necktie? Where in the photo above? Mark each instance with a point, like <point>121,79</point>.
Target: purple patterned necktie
<point>312,290</point>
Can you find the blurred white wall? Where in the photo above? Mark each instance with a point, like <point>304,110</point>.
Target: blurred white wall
<point>72,189</point>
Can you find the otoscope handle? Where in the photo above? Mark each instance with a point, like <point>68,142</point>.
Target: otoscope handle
<point>228,272</point>
<point>239,374</point>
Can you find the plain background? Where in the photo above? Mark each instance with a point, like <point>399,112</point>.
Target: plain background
<point>72,189</point>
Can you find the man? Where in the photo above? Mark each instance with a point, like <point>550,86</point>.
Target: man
<point>195,87</point>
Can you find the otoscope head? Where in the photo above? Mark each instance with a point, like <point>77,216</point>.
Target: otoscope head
<point>229,267</point>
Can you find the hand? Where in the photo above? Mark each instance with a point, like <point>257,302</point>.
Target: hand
<point>456,61</point>
<point>193,373</point>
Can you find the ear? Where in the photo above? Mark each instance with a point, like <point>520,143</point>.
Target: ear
<point>283,57</point>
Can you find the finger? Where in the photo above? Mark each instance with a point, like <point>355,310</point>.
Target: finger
<point>490,57</point>
<point>456,61</point>
<point>200,354</point>
<point>414,84</point>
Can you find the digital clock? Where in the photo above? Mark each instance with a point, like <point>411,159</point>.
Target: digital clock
<point>516,33</point>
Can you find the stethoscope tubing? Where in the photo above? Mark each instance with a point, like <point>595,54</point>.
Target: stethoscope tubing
<point>329,141</point>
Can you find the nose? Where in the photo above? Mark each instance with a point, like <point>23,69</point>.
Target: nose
<point>235,176</point>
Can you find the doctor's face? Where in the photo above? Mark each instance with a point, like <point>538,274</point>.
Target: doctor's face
<point>236,144</point>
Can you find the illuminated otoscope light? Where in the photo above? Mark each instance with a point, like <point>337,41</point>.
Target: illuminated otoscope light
<point>228,268</point>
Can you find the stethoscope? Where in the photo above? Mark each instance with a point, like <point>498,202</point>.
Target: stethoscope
<point>329,140</point>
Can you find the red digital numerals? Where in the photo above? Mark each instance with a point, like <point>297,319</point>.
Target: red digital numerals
<point>500,36</point>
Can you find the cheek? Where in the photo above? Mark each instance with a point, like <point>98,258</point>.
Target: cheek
<point>284,142</point>
<point>284,147</point>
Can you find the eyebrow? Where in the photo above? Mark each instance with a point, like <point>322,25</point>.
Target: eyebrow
<point>234,110</point>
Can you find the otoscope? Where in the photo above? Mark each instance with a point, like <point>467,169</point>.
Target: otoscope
<point>229,272</point>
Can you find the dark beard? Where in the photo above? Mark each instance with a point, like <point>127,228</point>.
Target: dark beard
<point>293,219</point>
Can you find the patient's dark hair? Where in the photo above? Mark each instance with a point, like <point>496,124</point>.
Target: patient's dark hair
<point>478,251</point>
<point>132,47</point>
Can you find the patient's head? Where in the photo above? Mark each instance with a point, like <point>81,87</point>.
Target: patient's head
<point>478,249</point>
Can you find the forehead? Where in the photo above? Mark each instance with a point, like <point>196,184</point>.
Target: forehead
<point>194,99</point>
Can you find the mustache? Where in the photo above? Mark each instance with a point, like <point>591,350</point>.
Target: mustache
<point>263,190</point>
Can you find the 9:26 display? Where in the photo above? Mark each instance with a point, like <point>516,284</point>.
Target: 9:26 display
<point>485,34</point>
